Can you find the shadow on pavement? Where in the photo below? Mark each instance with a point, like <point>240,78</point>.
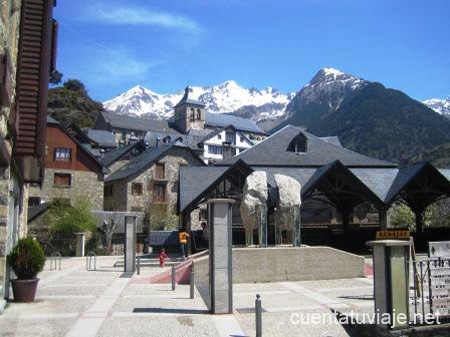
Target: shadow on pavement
<point>170,311</point>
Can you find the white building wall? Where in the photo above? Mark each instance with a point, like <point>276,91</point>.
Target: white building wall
<point>242,143</point>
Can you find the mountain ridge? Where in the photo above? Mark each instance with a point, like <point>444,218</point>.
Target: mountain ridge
<point>226,97</point>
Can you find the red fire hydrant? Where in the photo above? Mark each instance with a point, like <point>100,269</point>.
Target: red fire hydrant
<point>162,258</point>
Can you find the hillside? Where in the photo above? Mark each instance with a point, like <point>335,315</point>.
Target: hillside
<point>386,124</point>
<point>70,103</point>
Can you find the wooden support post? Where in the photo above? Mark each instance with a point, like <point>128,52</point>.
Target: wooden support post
<point>383,218</point>
<point>419,220</point>
<point>345,219</point>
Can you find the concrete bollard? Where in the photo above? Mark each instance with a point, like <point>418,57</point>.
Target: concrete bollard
<point>191,284</point>
<point>258,316</point>
<point>173,278</point>
<point>138,265</point>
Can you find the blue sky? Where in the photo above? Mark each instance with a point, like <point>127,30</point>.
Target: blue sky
<point>112,45</point>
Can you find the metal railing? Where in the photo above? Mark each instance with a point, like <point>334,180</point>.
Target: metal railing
<point>430,289</point>
<point>89,258</point>
<point>55,257</point>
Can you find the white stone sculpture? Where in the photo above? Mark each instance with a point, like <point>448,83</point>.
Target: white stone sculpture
<point>289,196</point>
<point>255,193</point>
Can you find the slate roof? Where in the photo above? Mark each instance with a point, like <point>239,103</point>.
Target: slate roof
<point>186,100</point>
<point>195,180</point>
<point>222,120</point>
<point>102,137</point>
<point>379,180</point>
<point>136,123</point>
<point>36,211</point>
<point>113,156</point>
<point>140,163</point>
<point>190,141</point>
<point>406,175</point>
<point>332,140</point>
<point>273,151</point>
<point>51,120</point>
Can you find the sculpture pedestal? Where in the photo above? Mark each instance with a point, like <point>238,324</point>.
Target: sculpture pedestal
<point>130,244</point>
<point>220,255</point>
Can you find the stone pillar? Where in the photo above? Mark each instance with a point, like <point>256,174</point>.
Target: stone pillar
<point>220,255</point>
<point>130,244</point>
<point>81,243</point>
<point>390,262</point>
<point>261,224</point>
<point>296,237</point>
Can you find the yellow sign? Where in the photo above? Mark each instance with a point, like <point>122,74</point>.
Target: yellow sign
<point>404,234</point>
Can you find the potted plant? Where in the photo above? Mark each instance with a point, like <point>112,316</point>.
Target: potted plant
<point>26,259</point>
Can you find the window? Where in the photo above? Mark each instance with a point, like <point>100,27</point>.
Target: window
<point>219,136</point>
<point>63,154</point>
<point>213,149</point>
<point>192,114</point>
<point>242,139</point>
<point>299,144</point>
<point>62,179</point>
<point>34,201</point>
<point>230,137</point>
<point>159,193</point>
<point>109,190</point>
<point>136,189</point>
<point>199,114</point>
<point>160,173</point>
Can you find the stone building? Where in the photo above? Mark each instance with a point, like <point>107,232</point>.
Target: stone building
<point>212,135</point>
<point>27,57</point>
<point>189,113</point>
<point>149,180</point>
<point>127,128</point>
<point>71,170</point>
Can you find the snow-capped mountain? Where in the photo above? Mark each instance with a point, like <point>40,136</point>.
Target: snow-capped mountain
<point>321,96</point>
<point>227,97</point>
<point>441,106</point>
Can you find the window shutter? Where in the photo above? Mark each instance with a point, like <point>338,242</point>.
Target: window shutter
<point>33,72</point>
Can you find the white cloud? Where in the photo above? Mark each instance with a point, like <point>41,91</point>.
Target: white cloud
<point>114,66</point>
<point>143,16</point>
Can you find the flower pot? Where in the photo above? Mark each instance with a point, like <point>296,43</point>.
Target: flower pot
<point>24,290</point>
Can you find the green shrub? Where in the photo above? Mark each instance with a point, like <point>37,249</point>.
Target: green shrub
<point>26,259</point>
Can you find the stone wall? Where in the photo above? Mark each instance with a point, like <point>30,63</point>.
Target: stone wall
<point>282,264</point>
<point>118,200</point>
<point>84,184</point>
<point>9,38</point>
<point>124,200</point>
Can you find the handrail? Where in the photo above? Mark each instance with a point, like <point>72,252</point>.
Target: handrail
<point>56,256</point>
<point>91,255</point>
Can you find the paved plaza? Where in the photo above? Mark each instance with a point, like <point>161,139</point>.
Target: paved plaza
<point>107,302</point>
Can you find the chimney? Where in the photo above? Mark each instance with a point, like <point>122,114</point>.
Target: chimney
<point>158,139</point>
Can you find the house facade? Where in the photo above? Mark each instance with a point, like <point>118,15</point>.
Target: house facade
<point>27,57</point>
<point>149,182</point>
<point>225,143</point>
<point>71,171</point>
